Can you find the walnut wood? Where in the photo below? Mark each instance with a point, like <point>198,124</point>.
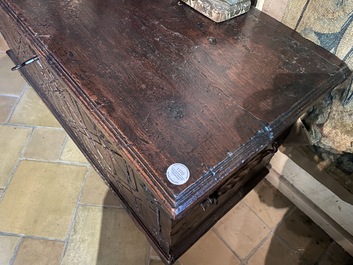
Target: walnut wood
<point>142,85</point>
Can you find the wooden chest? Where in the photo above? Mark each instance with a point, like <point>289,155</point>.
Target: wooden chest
<point>178,114</point>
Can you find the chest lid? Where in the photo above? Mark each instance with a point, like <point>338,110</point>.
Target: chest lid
<point>172,86</point>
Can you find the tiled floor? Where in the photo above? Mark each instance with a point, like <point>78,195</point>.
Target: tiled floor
<point>55,209</point>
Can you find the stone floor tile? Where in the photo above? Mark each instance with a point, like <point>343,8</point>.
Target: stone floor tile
<point>155,259</point>
<point>3,45</point>
<point>32,111</point>
<point>159,262</point>
<point>105,236</point>
<point>12,141</point>
<point>304,236</point>
<point>39,252</point>
<point>41,199</point>
<point>46,144</point>
<point>95,191</point>
<point>7,248</point>
<point>335,255</point>
<point>209,250</point>
<point>7,104</point>
<point>274,251</point>
<point>241,229</point>
<point>156,262</point>
<point>154,255</point>
<point>268,203</point>
<point>12,83</point>
<point>72,153</point>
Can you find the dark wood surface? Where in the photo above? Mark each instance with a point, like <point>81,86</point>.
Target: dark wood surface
<point>142,85</point>
<point>172,86</point>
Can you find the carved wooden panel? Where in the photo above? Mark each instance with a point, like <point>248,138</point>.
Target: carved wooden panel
<point>88,135</point>
<point>98,148</point>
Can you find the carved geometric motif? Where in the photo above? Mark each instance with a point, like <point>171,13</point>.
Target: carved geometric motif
<point>102,152</point>
<point>96,145</point>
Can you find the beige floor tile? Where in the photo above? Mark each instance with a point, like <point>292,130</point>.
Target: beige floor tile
<point>96,192</point>
<point>159,262</point>
<point>304,236</point>
<point>241,229</point>
<point>41,199</point>
<point>274,252</point>
<point>105,236</point>
<point>336,255</point>
<point>72,153</point>
<point>46,144</point>
<point>209,250</point>
<point>32,111</point>
<point>268,203</point>
<point>7,104</point>
<point>12,83</point>
<point>156,262</point>
<point>7,248</point>
<point>39,252</point>
<point>12,141</point>
<point>3,45</point>
<point>154,255</point>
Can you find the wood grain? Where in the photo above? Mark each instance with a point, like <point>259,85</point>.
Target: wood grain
<point>142,86</point>
<point>182,89</point>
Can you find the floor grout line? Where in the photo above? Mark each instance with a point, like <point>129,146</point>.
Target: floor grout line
<point>73,218</point>
<point>32,237</point>
<point>251,209</point>
<point>293,251</point>
<point>273,230</point>
<point>289,210</point>
<point>9,95</point>
<point>24,88</point>
<point>16,165</point>
<point>324,254</point>
<point>101,206</point>
<point>28,125</point>
<point>67,138</point>
<point>257,247</point>
<point>148,255</point>
<point>279,237</point>
<point>225,243</point>
<point>61,162</point>
<point>14,254</point>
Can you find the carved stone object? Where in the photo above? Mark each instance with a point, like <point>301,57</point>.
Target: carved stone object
<point>220,10</point>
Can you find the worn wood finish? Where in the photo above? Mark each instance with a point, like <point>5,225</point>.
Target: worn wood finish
<point>142,86</point>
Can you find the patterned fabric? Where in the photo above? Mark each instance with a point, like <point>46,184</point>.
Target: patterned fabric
<point>329,23</point>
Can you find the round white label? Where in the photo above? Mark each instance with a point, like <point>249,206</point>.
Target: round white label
<point>178,174</point>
